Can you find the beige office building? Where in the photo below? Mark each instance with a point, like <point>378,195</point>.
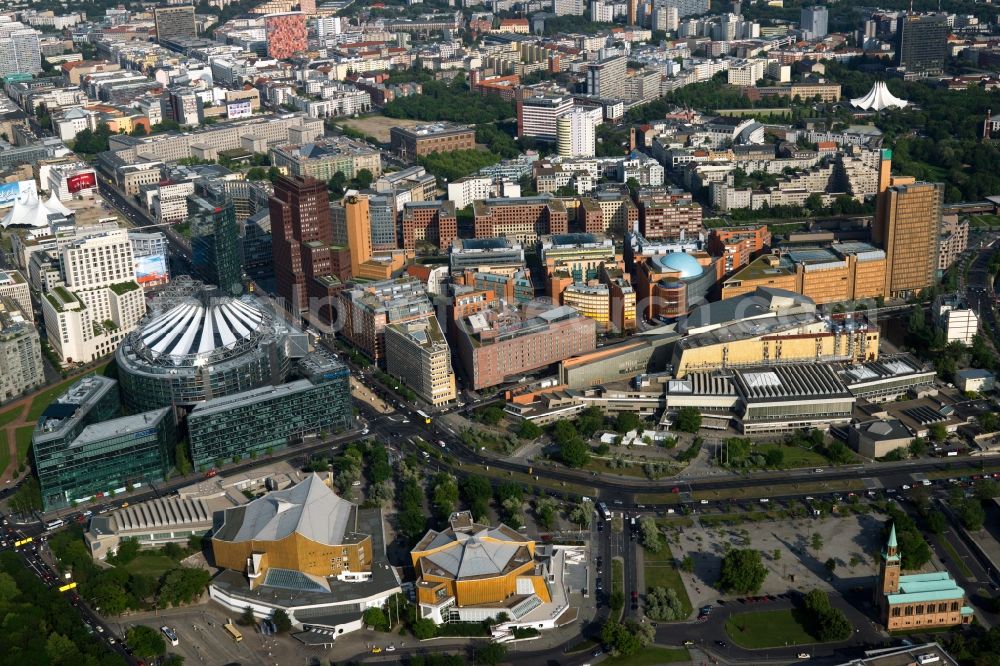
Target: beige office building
<point>417,354</point>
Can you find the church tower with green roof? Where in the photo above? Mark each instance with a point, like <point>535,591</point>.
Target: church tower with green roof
<point>889,568</point>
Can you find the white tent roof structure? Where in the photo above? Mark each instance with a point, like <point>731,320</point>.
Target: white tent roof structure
<point>879,98</point>
<point>30,211</point>
<point>56,206</point>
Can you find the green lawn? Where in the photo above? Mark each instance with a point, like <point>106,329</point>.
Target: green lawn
<point>795,456</point>
<point>653,655</point>
<point>23,435</point>
<point>601,466</point>
<point>768,629</point>
<point>152,565</point>
<point>617,576</point>
<point>10,416</point>
<point>45,398</point>
<point>4,452</point>
<point>659,570</point>
<point>985,221</point>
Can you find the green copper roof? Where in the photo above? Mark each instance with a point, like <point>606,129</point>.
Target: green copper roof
<point>951,594</point>
<point>892,537</point>
<point>936,586</point>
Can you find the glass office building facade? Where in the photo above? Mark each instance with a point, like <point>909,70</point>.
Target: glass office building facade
<point>215,243</point>
<point>82,447</point>
<point>271,418</point>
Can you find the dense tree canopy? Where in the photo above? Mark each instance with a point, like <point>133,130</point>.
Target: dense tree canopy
<point>743,571</point>
<point>450,101</point>
<point>39,626</point>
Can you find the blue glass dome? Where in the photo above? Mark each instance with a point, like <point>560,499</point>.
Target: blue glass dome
<point>682,263</point>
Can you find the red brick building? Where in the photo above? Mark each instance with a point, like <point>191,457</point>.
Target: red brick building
<point>524,218</point>
<point>431,221</point>
<point>668,215</point>
<point>738,245</point>
<point>302,241</point>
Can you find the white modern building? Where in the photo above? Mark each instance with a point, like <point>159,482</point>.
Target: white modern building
<point>814,21</point>
<point>101,301</point>
<point>576,134</point>
<point>537,115</point>
<point>959,322</point>
<point>66,181</point>
<point>13,285</point>
<point>466,190</point>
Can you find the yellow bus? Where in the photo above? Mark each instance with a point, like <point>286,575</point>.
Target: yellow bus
<point>233,631</point>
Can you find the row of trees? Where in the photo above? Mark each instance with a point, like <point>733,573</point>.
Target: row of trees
<point>824,622</point>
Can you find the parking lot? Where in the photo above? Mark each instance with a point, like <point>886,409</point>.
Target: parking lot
<point>202,639</point>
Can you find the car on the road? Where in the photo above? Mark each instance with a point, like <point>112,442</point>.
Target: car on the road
<point>818,470</point>
<point>905,487</point>
<point>597,653</point>
<point>635,595</point>
<point>722,644</point>
<point>376,650</point>
<point>803,655</point>
<point>688,643</point>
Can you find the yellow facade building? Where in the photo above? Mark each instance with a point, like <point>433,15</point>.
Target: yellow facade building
<point>768,327</point>
<point>590,300</point>
<point>907,224</point>
<point>473,572</point>
<point>817,341</point>
<point>841,272</point>
<point>306,529</point>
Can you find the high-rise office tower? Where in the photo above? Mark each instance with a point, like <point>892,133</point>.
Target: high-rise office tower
<point>173,22</point>
<point>215,243</point>
<point>301,231</point>
<point>633,11</point>
<point>922,43</point>
<point>606,77</point>
<point>907,219</point>
<point>359,230</point>
<point>814,21</point>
